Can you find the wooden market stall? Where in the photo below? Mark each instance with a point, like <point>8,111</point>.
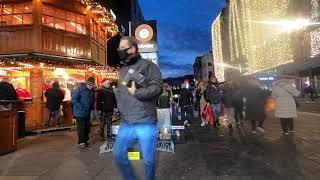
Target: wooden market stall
<point>46,40</point>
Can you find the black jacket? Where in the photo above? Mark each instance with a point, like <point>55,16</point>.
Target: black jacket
<point>255,98</point>
<point>164,100</point>
<point>142,107</point>
<point>186,97</point>
<point>228,98</point>
<point>213,94</point>
<point>54,97</point>
<point>7,91</point>
<point>106,100</point>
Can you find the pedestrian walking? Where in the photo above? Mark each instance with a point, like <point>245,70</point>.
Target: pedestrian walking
<point>139,88</point>
<point>284,92</point>
<point>165,98</point>
<point>94,114</point>
<point>255,108</point>
<point>200,95</point>
<point>228,103</point>
<point>310,90</point>
<point>238,104</point>
<point>214,98</point>
<point>82,100</point>
<point>185,102</point>
<point>106,104</point>
<point>54,96</point>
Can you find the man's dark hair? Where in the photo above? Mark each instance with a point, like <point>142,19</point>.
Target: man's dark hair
<point>55,84</point>
<point>132,41</point>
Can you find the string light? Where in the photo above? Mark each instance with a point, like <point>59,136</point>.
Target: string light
<point>104,71</point>
<point>217,49</point>
<point>261,47</point>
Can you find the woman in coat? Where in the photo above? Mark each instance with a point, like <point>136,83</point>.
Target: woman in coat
<point>285,107</point>
<point>201,100</point>
<point>255,110</point>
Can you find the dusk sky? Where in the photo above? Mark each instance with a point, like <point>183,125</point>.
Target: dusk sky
<point>184,31</point>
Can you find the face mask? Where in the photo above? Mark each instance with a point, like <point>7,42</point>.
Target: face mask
<point>123,54</point>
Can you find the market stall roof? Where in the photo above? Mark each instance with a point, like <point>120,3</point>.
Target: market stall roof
<point>48,59</point>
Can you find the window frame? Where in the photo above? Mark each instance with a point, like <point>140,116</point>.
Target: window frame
<point>19,15</point>
<point>77,24</point>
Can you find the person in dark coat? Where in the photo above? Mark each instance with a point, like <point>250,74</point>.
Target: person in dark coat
<point>54,97</point>
<point>255,109</point>
<point>7,92</point>
<point>139,88</point>
<point>213,96</point>
<point>185,102</point>
<point>83,101</point>
<point>238,104</point>
<point>106,103</point>
<point>228,102</point>
<point>165,97</point>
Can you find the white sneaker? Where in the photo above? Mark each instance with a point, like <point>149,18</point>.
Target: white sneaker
<point>260,129</point>
<point>185,122</point>
<point>82,145</point>
<point>203,124</point>
<point>253,132</point>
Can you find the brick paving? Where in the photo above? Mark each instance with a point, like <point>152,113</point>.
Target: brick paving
<point>213,154</point>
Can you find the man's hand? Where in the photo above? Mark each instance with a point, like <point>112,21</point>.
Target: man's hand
<point>132,89</point>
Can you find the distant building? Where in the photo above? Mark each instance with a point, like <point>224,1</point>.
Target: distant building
<point>204,67</point>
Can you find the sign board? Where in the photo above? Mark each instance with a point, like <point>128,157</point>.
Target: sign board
<point>146,34</point>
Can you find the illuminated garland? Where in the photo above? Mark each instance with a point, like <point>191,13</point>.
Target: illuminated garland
<point>107,72</point>
<point>217,49</point>
<point>263,46</point>
<point>96,8</point>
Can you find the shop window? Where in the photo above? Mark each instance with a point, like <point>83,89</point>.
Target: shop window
<point>63,20</point>
<point>15,14</point>
<point>94,29</point>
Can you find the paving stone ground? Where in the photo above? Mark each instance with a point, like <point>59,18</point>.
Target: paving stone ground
<point>212,154</point>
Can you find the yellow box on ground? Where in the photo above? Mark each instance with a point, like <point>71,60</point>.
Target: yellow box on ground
<point>134,156</point>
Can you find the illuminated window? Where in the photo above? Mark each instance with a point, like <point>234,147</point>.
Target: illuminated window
<point>63,20</point>
<point>94,29</point>
<point>15,14</point>
<point>102,37</point>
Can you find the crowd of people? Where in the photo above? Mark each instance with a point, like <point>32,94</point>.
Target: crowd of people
<point>239,100</point>
<point>137,101</point>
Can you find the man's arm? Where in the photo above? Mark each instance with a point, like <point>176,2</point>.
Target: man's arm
<point>153,88</point>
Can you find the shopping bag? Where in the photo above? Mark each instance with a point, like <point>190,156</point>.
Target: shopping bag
<point>221,110</point>
<point>207,114</point>
<point>210,115</point>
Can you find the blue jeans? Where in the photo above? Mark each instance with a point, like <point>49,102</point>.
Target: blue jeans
<point>186,113</point>
<point>216,112</point>
<point>56,117</point>
<point>146,134</point>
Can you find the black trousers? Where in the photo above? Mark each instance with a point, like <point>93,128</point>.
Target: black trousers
<point>105,118</point>
<point>254,124</point>
<point>83,128</point>
<point>286,124</point>
<point>238,114</point>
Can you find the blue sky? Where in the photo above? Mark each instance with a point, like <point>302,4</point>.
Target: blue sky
<point>184,31</point>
